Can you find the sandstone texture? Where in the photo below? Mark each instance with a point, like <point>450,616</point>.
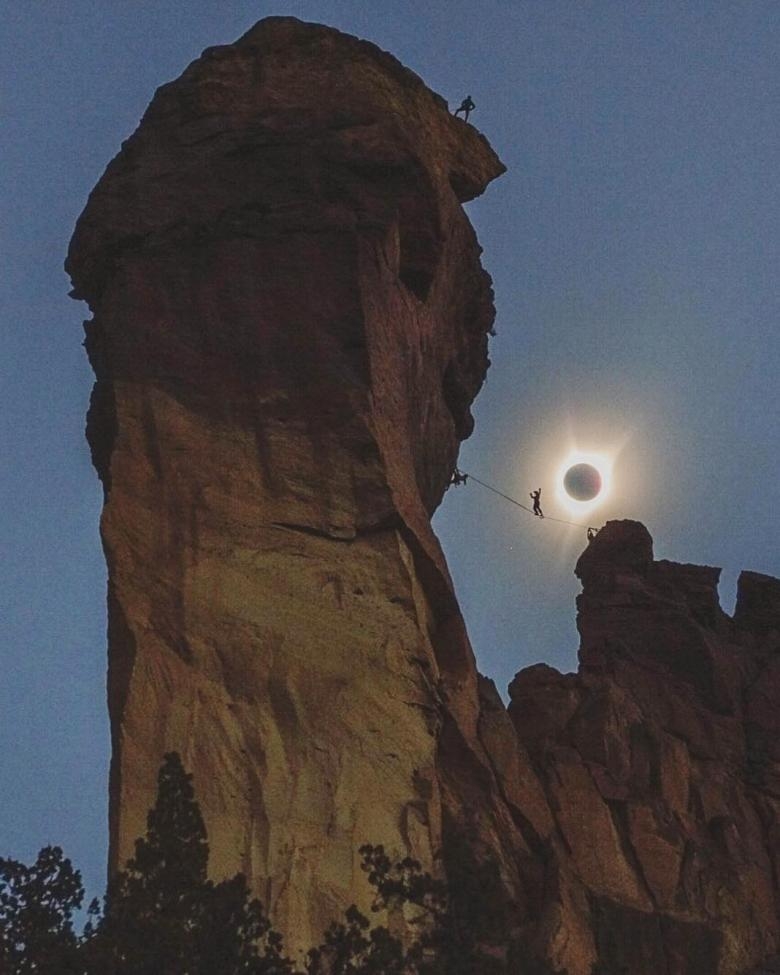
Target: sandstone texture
<point>289,325</point>
<point>290,322</point>
<point>659,761</point>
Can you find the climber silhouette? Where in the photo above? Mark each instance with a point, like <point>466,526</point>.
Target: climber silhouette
<point>536,495</point>
<point>466,106</point>
<point>592,532</point>
<point>458,477</point>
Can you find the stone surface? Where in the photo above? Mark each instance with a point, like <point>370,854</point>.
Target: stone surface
<point>290,321</point>
<point>289,326</point>
<point>660,764</point>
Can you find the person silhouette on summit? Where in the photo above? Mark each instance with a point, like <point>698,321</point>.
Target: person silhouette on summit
<point>466,106</point>
<point>537,507</point>
<point>458,477</point>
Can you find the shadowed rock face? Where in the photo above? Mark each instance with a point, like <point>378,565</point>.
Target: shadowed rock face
<point>659,761</point>
<point>289,326</point>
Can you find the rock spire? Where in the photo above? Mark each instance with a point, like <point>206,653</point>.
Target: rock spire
<point>290,323</point>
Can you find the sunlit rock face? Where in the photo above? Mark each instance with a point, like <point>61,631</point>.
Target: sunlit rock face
<point>660,761</point>
<point>289,325</point>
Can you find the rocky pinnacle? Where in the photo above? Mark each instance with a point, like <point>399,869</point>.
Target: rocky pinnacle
<point>290,322</point>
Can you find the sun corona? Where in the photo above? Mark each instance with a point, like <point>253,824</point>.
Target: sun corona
<point>583,480</point>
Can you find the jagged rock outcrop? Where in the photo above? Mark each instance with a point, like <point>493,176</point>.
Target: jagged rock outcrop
<point>659,762</point>
<point>289,326</point>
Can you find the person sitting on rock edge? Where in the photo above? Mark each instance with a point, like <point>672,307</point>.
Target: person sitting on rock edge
<point>537,507</point>
<point>466,106</point>
<point>458,477</point>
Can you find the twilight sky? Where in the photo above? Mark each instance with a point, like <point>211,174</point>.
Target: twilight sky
<point>634,249</point>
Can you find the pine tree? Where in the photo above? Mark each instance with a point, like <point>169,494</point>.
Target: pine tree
<point>163,915</point>
<point>36,915</point>
<point>352,947</point>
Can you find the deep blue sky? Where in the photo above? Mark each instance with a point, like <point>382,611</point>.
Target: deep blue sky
<point>634,249</point>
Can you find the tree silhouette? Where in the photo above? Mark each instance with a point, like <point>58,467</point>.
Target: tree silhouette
<point>36,915</point>
<point>460,927</point>
<point>162,915</point>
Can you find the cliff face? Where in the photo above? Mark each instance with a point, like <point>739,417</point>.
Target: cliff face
<point>659,762</point>
<point>289,326</point>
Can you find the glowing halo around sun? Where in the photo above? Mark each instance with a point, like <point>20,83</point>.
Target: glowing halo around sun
<point>601,463</point>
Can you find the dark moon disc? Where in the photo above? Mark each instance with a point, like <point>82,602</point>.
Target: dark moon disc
<point>582,482</point>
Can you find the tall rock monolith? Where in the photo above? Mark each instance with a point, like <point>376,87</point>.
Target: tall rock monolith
<point>289,324</point>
